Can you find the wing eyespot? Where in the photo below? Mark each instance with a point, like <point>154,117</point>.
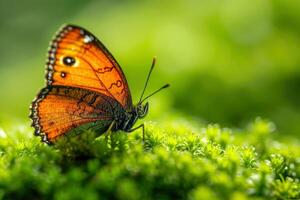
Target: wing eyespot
<point>63,74</point>
<point>69,61</point>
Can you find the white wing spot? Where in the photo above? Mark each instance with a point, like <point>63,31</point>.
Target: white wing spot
<point>88,38</point>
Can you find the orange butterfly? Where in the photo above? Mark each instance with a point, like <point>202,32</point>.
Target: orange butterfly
<point>85,86</point>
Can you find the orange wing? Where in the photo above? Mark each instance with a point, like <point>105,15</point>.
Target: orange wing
<point>58,109</point>
<point>78,59</point>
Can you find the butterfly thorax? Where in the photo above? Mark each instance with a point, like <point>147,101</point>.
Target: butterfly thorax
<point>125,120</point>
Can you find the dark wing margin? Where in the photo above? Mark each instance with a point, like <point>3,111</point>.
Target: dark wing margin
<point>34,115</point>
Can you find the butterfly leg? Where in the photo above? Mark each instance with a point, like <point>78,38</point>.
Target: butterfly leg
<point>140,126</point>
<point>108,132</point>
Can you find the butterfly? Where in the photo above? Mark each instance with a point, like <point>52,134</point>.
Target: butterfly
<point>85,87</point>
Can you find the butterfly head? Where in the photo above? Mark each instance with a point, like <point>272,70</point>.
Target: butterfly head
<point>142,110</point>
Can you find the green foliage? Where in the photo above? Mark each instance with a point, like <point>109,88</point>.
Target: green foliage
<point>174,162</point>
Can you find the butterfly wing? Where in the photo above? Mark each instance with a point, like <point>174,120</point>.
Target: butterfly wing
<point>59,109</point>
<point>78,59</point>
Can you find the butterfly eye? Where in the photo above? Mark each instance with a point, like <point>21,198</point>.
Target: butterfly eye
<point>142,110</point>
<point>69,61</point>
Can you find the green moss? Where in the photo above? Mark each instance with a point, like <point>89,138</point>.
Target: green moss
<point>174,162</point>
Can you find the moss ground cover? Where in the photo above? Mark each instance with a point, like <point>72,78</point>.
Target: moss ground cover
<point>178,160</point>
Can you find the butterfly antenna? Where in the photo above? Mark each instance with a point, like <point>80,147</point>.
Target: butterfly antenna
<point>163,87</point>
<point>149,74</point>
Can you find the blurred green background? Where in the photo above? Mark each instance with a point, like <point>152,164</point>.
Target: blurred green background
<point>227,61</point>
